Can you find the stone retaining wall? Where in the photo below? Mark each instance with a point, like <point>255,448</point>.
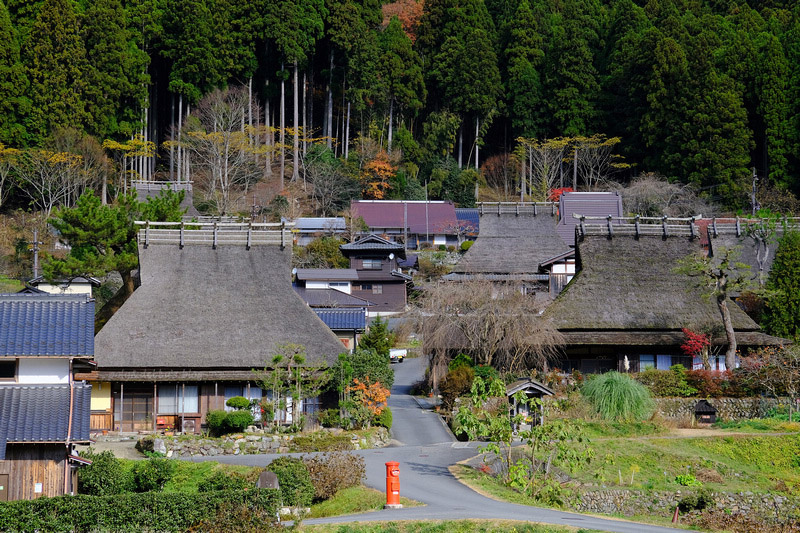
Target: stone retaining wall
<point>248,443</point>
<point>631,502</point>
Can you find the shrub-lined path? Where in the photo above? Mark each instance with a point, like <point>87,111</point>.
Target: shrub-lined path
<point>425,449</point>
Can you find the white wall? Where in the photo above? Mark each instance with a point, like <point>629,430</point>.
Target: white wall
<point>72,288</point>
<point>38,371</point>
<point>344,287</point>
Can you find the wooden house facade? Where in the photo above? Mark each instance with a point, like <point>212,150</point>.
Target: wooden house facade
<point>206,315</point>
<point>43,411</point>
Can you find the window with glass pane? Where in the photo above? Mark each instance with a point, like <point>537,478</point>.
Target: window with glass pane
<point>647,361</point>
<point>174,399</point>
<point>377,289</point>
<point>371,264</point>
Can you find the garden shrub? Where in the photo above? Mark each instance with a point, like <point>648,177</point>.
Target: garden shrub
<point>456,383</point>
<point>618,397</point>
<point>466,245</point>
<point>104,477</point>
<point>486,373</point>
<point>460,360</point>
<point>717,384</point>
<point>687,480</point>
<point>329,418</point>
<point>152,474</point>
<point>238,402</point>
<point>442,248</point>
<point>334,471</point>
<point>295,481</point>
<point>696,501</point>
<point>151,511</point>
<point>221,480</point>
<point>238,421</point>
<point>665,383</point>
<point>223,422</point>
<point>384,418</point>
<point>145,444</point>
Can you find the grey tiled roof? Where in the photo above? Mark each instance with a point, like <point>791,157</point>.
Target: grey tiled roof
<point>46,325</point>
<point>327,274</point>
<point>40,413</point>
<point>343,318</point>
<point>372,243</point>
<point>330,298</point>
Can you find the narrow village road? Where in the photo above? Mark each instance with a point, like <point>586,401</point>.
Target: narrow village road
<point>425,449</point>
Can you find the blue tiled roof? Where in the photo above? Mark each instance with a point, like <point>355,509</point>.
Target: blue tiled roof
<point>46,324</point>
<point>40,413</point>
<point>469,215</point>
<point>343,318</point>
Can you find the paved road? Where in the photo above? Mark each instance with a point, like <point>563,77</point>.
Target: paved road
<point>425,449</point>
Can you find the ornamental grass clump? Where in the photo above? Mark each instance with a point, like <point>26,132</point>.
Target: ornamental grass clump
<point>618,397</point>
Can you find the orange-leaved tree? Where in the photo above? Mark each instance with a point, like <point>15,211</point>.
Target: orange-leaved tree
<point>371,395</point>
<point>376,175</point>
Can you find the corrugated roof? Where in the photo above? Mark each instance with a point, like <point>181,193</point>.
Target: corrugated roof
<point>200,307</point>
<point>599,204</point>
<point>321,224</point>
<point>512,244</point>
<point>439,217</point>
<point>330,298</point>
<point>40,413</point>
<point>46,325</point>
<point>625,283</point>
<point>327,274</point>
<point>343,318</point>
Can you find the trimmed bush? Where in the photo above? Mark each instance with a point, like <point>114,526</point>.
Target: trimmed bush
<point>238,402</point>
<point>486,373</point>
<point>295,481</point>
<point>220,480</point>
<point>466,245</point>
<point>618,397</point>
<point>152,474</point>
<point>216,421</point>
<point>384,419</point>
<point>238,421</point>
<point>457,382</point>
<point>665,383</point>
<point>329,418</point>
<point>460,360</point>
<point>334,471</point>
<point>151,511</point>
<point>104,477</point>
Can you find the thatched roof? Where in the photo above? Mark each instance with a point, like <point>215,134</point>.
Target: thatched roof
<point>513,244</point>
<point>200,307</point>
<point>625,283</point>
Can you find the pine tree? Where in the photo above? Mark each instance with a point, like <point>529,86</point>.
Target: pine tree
<point>524,86</point>
<point>13,85</point>
<point>56,60</point>
<point>773,107</point>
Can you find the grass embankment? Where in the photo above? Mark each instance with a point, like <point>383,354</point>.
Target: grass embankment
<point>354,500</point>
<point>447,526</point>
<point>306,442</point>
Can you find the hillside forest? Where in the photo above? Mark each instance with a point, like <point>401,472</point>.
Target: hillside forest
<point>298,106</point>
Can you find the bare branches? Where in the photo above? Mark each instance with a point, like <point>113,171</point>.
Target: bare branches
<point>496,324</point>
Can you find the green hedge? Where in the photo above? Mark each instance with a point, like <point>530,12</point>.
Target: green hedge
<point>153,511</point>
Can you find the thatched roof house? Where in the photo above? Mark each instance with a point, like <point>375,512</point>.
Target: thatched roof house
<point>627,301</point>
<point>513,240</point>
<point>205,315</point>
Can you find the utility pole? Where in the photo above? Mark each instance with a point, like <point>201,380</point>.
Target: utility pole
<point>36,242</point>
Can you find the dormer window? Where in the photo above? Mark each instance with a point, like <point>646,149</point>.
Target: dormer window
<point>371,264</point>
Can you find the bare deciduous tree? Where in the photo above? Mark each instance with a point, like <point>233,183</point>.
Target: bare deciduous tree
<point>541,164</point>
<point>596,159</point>
<point>495,324</point>
<point>653,195</point>
<point>331,186</point>
<point>8,156</point>
<point>46,177</point>
<point>224,150</point>
<point>500,172</point>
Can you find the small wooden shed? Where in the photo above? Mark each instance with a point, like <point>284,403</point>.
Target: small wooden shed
<point>532,389</point>
<point>705,413</point>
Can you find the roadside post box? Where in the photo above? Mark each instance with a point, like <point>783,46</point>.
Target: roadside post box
<point>393,486</point>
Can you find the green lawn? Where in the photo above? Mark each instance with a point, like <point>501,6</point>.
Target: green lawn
<point>354,500</point>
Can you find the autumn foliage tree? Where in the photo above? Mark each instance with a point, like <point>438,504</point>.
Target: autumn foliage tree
<point>370,394</point>
<point>376,176</point>
<point>696,344</point>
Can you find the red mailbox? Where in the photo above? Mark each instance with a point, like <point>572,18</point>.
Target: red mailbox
<point>393,485</point>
